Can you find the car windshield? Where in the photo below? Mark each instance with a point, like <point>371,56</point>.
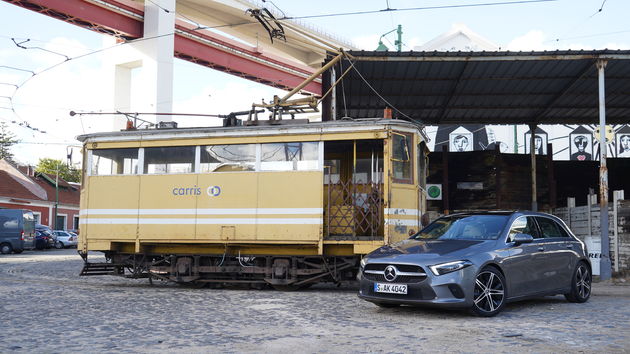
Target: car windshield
<point>464,227</point>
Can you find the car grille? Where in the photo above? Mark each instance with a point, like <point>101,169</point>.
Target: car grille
<point>407,268</point>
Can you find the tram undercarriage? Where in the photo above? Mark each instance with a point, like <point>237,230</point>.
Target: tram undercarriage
<point>279,272</point>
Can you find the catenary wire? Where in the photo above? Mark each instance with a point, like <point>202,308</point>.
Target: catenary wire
<point>376,92</point>
<point>354,13</point>
<point>11,98</point>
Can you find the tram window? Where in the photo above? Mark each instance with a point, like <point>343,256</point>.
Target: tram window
<point>114,162</point>
<point>172,159</point>
<point>297,156</point>
<point>401,158</point>
<point>332,171</point>
<point>228,158</point>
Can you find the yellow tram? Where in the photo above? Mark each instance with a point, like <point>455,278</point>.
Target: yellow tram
<point>286,204</point>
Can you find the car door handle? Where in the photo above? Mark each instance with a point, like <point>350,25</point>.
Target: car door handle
<point>541,248</point>
<point>569,246</point>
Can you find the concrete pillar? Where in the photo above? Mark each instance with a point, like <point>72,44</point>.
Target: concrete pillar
<point>150,89</point>
<point>157,64</point>
<point>122,91</point>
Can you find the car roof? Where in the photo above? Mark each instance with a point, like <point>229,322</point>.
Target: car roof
<point>501,212</point>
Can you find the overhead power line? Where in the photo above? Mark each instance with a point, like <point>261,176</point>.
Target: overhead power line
<point>21,45</point>
<point>22,122</point>
<point>579,24</point>
<point>588,36</point>
<point>387,9</point>
<point>439,7</point>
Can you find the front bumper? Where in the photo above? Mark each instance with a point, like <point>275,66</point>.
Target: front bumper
<point>449,290</point>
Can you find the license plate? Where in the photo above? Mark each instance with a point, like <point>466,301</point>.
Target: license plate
<point>390,288</point>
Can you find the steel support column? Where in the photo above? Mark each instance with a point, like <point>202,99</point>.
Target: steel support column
<point>445,191</point>
<point>604,262</point>
<point>532,154</point>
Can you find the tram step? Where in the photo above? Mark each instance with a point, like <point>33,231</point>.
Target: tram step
<point>99,269</point>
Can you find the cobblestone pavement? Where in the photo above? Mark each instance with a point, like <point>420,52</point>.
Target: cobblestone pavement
<point>46,307</point>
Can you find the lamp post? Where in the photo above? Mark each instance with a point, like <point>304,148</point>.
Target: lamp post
<point>56,196</point>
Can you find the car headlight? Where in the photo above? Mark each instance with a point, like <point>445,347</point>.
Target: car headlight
<point>363,262</point>
<point>449,267</point>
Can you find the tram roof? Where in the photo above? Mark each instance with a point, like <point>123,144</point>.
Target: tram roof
<point>339,126</point>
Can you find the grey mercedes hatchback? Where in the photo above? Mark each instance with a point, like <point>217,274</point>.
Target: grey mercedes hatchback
<point>479,261</point>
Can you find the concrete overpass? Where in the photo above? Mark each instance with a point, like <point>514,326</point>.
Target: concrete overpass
<point>217,34</point>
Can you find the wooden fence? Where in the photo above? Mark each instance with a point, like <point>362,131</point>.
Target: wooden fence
<point>584,221</point>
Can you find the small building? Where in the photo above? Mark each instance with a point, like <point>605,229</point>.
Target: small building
<point>23,188</point>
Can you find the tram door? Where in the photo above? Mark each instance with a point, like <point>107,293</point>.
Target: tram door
<point>353,190</point>
<point>406,201</point>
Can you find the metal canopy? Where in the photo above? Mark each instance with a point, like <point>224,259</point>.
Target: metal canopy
<point>559,87</point>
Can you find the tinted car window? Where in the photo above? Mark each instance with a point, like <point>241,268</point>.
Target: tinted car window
<point>464,227</point>
<point>524,225</point>
<point>550,228</point>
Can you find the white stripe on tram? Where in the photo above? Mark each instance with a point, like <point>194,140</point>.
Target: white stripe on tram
<point>192,221</point>
<point>241,211</point>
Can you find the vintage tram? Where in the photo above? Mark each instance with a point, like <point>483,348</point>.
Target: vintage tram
<point>286,204</point>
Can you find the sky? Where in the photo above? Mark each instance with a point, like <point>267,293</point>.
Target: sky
<point>44,100</point>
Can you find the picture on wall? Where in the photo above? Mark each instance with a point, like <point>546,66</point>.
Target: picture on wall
<point>622,140</point>
<point>581,144</point>
<point>540,142</point>
<point>460,140</point>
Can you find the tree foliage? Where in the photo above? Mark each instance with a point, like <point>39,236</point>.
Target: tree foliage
<point>7,139</point>
<point>50,166</point>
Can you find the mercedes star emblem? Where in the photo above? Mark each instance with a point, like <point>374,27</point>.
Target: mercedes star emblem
<point>390,273</point>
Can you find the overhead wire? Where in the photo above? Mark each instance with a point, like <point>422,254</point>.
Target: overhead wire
<point>21,45</point>
<point>589,36</point>
<point>354,13</point>
<point>579,24</point>
<point>11,98</point>
<point>438,7</point>
<point>376,92</point>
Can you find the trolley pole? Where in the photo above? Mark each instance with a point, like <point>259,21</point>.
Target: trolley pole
<point>605,270</point>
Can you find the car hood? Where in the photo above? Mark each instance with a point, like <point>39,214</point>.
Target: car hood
<point>429,249</point>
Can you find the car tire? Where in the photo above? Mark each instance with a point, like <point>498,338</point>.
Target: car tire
<point>58,245</point>
<point>6,248</point>
<point>580,284</point>
<point>489,292</point>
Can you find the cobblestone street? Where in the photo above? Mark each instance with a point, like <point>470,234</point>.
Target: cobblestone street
<point>47,307</point>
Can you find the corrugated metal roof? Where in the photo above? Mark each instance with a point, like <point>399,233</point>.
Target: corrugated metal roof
<point>550,87</point>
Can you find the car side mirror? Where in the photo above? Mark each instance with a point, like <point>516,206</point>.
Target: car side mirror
<point>519,239</point>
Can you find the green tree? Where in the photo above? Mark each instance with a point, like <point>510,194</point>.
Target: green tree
<point>7,139</point>
<point>50,166</point>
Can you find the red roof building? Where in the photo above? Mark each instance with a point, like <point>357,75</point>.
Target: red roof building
<point>23,188</point>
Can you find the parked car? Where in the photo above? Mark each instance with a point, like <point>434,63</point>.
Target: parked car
<point>17,230</point>
<point>479,261</point>
<point>65,239</point>
<point>43,239</point>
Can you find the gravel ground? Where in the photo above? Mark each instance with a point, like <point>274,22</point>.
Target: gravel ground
<point>46,307</point>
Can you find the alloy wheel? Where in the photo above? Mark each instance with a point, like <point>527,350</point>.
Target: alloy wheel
<point>583,281</point>
<point>489,292</point>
